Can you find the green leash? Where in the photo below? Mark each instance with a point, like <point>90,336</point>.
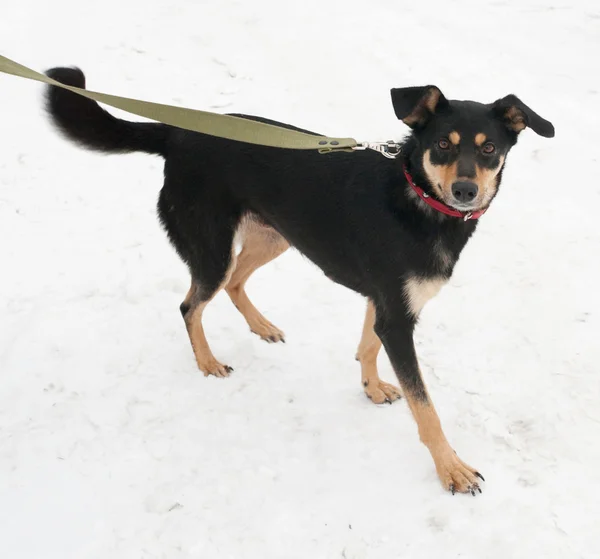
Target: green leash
<point>223,126</point>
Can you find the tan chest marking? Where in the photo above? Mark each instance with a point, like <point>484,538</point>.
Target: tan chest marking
<point>420,290</point>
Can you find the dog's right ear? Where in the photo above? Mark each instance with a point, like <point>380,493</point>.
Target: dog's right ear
<point>415,105</point>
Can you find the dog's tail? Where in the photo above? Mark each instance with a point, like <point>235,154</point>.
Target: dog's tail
<point>83,121</point>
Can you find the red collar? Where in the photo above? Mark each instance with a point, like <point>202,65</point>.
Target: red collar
<point>440,206</point>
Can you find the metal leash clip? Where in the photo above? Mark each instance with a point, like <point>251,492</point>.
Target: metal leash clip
<point>389,149</point>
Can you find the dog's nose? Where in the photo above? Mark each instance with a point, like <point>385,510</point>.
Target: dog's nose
<point>464,191</point>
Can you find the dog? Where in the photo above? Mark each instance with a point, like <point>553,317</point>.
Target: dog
<point>390,229</point>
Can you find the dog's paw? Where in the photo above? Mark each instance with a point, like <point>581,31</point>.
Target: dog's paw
<point>213,367</point>
<point>267,331</point>
<point>380,392</point>
<point>455,475</point>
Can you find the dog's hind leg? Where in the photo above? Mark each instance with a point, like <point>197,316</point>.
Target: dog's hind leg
<point>211,267</point>
<point>200,219</point>
<point>192,309</point>
<point>261,244</point>
<point>368,350</point>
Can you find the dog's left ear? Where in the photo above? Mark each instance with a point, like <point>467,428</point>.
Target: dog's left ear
<point>415,105</point>
<point>517,115</point>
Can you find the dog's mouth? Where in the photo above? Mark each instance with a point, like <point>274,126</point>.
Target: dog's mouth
<point>455,204</point>
<point>463,207</point>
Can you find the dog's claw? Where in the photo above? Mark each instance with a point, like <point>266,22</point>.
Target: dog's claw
<point>268,333</point>
<point>380,392</point>
<point>479,476</point>
<point>452,489</point>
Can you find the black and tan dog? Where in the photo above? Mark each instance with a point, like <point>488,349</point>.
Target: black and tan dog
<point>391,230</point>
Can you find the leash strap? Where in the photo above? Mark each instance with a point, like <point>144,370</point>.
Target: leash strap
<point>222,126</point>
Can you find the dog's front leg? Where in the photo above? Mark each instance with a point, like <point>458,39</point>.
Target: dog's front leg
<point>395,327</point>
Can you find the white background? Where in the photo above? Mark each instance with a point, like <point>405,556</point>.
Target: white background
<point>113,445</point>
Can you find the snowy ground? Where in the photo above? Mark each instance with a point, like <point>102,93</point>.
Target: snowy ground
<point>112,445</point>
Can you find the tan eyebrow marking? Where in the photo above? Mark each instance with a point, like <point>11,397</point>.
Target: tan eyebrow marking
<point>454,137</point>
<point>480,138</point>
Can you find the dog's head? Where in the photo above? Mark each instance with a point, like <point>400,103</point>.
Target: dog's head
<point>459,147</point>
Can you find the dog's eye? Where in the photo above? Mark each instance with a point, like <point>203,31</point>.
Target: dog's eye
<point>489,148</point>
<point>443,144</point>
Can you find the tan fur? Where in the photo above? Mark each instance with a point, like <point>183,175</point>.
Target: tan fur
<point>261,244</point>
<point>442,177</point>
<point>486,181</point>
<point>428,103</point>
<point>454,474</point>
<point>432,99</point>
<point>452,471</point>
<point>454,137</point>
<point>368,349</point>
<point>515,119</point>
<point>205,359</point>
<point>419,290</point>
<point>480,138</point>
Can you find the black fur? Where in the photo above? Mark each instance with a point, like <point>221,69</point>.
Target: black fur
<point>352,214</point>
<point>85,122</point>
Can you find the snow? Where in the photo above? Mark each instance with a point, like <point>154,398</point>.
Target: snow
<point>112,444</point>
